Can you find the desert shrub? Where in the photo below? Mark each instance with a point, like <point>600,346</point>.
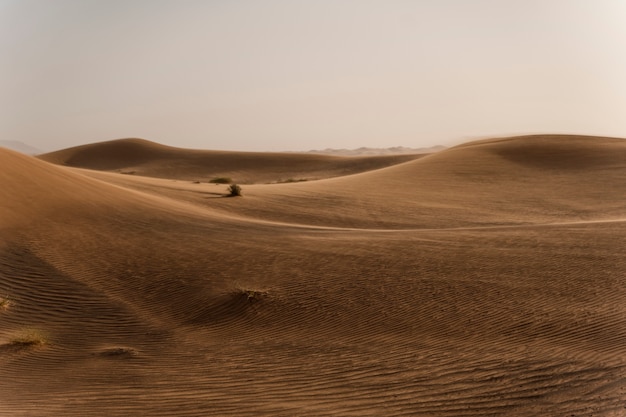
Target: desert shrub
<point>293,180</point>
<point>234,190</point>
<point>221,180</point>
<point>254,295</point>
<point>250,295</point>
<point>28,338</point>
<point>5,303</point>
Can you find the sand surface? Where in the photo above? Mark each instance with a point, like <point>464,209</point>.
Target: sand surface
<point>488,279</point>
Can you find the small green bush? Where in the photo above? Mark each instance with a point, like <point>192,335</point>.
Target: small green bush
<point>221,180</point>
<point>234,190</point>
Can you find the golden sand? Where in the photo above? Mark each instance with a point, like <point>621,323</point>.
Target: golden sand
<point>486,279</point>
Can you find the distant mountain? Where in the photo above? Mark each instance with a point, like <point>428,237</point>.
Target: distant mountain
<point>363,151</point>
<point>20,147</point>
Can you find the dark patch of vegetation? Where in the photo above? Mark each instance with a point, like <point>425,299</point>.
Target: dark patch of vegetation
<point>293,180</point>
<point>119,352</point>
<point>221,180</point>
<point>234,190</point>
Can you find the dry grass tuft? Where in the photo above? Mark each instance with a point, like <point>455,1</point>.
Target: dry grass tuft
<point>254,295</point>
<point>28,338</point>
<point>119,351</point>
<point>249,294</point>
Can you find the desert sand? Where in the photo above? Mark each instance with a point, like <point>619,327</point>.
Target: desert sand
<point>488,279</point>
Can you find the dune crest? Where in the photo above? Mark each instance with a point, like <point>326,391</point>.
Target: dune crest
<point>142,157</point>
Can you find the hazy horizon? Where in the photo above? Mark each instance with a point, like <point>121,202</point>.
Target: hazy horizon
<point>294,75</point>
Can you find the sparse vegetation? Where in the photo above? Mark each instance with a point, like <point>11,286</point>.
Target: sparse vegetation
<point>249,294</point>
<point>28,338</point>
<point>293,180</point>
<point>254,295</point>
<point>121,351</point>
<point>5,303</point>
<point>234,190</point>
<point>221,180</point>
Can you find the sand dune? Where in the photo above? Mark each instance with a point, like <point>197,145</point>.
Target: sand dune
<point>142,157</point>
<point>522,180</point>
<point>487,279</point>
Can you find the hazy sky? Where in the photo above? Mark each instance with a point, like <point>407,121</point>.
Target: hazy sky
<point>272,75</point>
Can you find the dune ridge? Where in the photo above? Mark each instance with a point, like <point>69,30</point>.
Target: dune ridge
<point>487,279</point>
<point>142,157</point>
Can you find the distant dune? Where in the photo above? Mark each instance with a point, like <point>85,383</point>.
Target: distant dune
<point>485,279</point>
<point>396,150</point>
<point>19,147</point>
<point>142,157</point>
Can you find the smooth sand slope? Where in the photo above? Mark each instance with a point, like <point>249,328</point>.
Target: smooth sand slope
<point>488,279</point>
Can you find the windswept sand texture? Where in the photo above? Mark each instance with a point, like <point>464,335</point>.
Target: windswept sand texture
<point>486,279</point>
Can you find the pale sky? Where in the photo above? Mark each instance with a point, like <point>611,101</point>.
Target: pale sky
<point>278,75</point>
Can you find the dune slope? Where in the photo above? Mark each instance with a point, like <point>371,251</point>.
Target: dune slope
<point>139,296</point>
